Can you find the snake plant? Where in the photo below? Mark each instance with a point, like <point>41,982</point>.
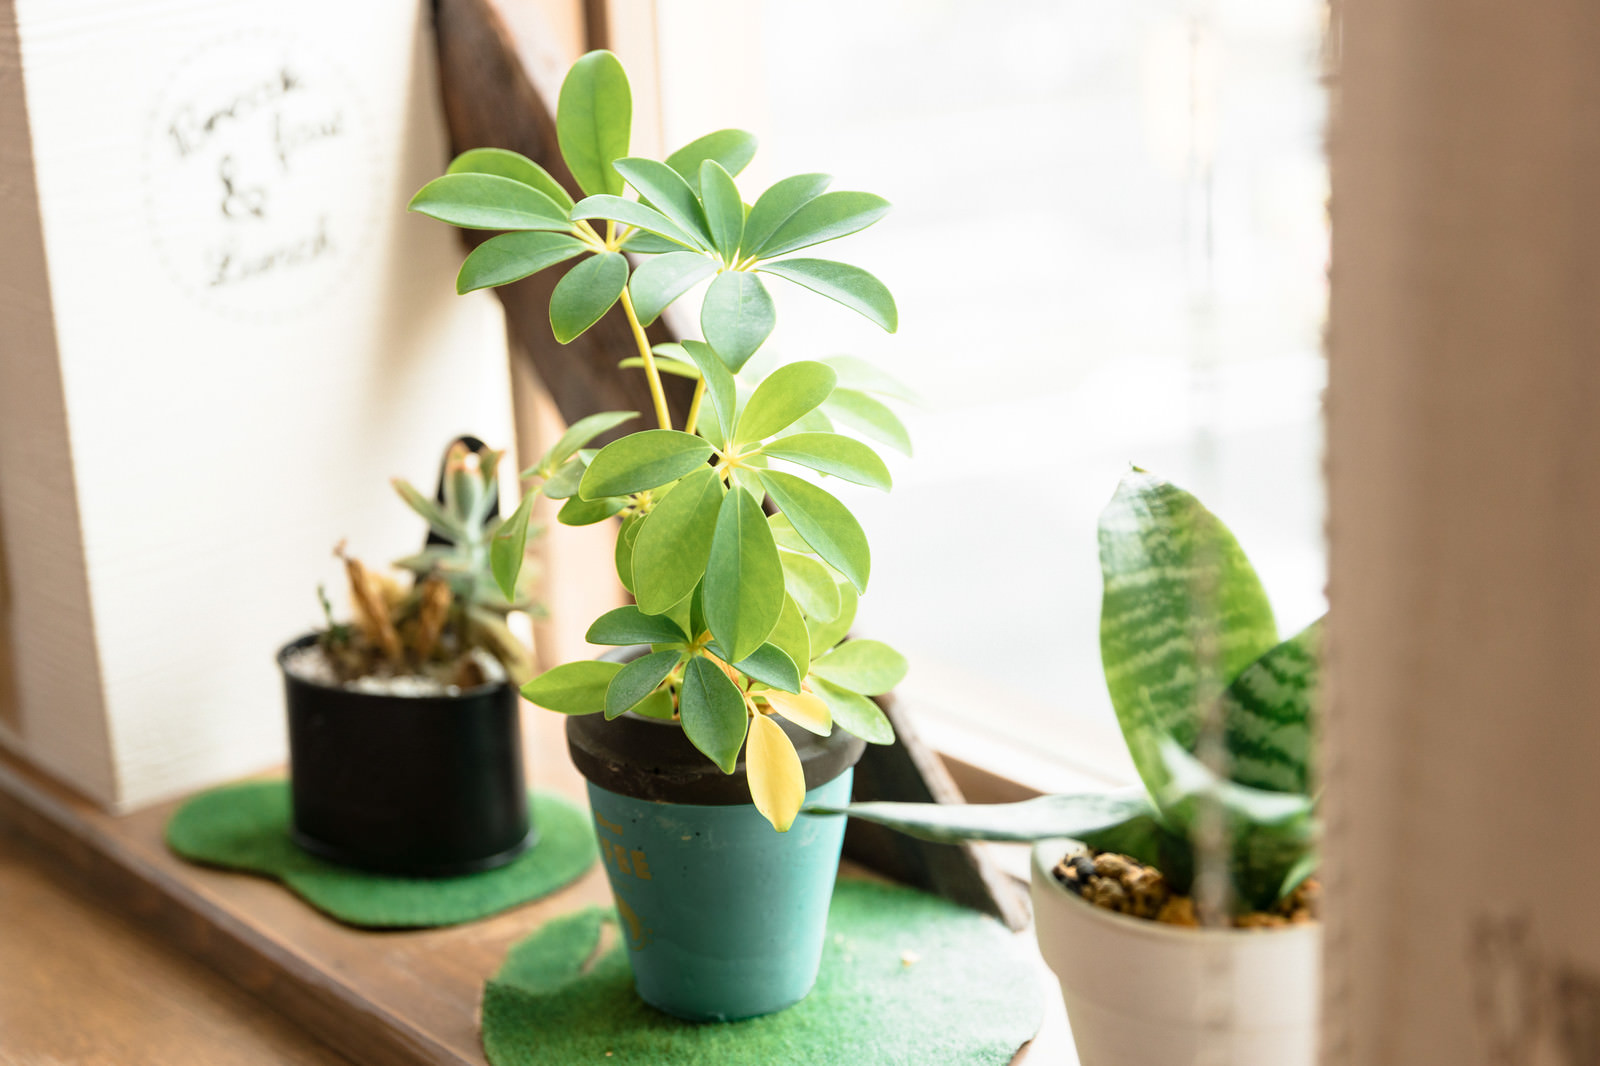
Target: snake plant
<point>744,612</point>
<point>1188,641</point>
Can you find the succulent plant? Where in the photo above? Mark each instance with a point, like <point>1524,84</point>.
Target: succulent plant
<point>453,607</point>
<point>745,612</point>
<point>1217,713</point>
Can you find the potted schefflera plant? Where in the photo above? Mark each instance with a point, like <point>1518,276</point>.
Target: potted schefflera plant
<point>1180,919</point>
<point>734,697</point>
<point>405,751</point>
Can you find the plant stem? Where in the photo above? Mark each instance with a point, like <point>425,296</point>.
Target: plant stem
<point>650,372</point>
<point>694,406</point>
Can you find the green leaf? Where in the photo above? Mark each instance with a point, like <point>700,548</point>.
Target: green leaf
<point>437,518</point>
<point>790,636</point>
<point>637,680</point>
<point>733,149</point>
<point>869,667</point>
<point>697,611</point>
<point>633,213</point>
<point>1074,817</point>
<point>586,293</point>
<point>843,284</point>
<point>724,210</point>
<point>487,201</point>
<point>812,586</point>
<point>514,256</point>
<point>577,435</point>
<point>825,523</point>
<point>622,552</point>
<point>577,512</point>
<point>720,385</point>
<point>831,215</point>
<point>854,712</point>
<point>673,544</point>
<point>744,580</point>
<point>713,713</point>
<point>737,316</point>
<point>669,194</point>
<point>786,394</point>
<point>870,417</point>
<point>644,242</point>
<point>664,364</point>
<point>575,688</point>
<point>644,460</point>
<point>630,625</point>
<point>509,547</point>
<point>1268,715</point>
<point>778,204</point>
<point>831,453</point>
<point>657,705</point>
<point>857,373</point>
<point>825,635</point>
<point>509,164</point>
<point>771,665</point>
<point>563,484</point>
<point>1176,583</point>
<point>658,281</point>
<point>783,532</point>
<point>593,116</point>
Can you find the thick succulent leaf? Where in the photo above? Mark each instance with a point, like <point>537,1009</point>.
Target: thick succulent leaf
<point>825,635</point>
<point>833,453</point>
<point>854,712</point>
<point>804,709</point>
<point>586,292</point>
<point>778,205</point>
<point>812,586</point>
<point>666,191</point>
<point>868,416</point>
<point>720,386</point>
<point>622,626</point>
<point>658,281</point>
<point>442,523</point>
<point>825,523</point>
<point>633,213</point>
<point>509,548</point>
<point>575,688</point>
<point>674,543</point>
<point>637,680</point>
<point>831,215</point>
<point>713,713</point>
<point>744,580</point>
<point>577,435</point>
<point>644,460</point>
<point>869,667</point>
<point>724,210</point>
<point>737,316</point>
<point>580,512</point>
<point>777,781</point>
<point>771,665</point>
<point>1268,713</point>
<point>843,284</point>
<point>733,149</point>
<point>488,201</point>
<point>1074,817</point>
<point>513,165</point>
<point>594,115</point>
<point>514,256</point>
<point>1176,582</point>
<point>787,393</point>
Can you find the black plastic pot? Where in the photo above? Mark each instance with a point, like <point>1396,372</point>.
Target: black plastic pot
<point>418,786</point>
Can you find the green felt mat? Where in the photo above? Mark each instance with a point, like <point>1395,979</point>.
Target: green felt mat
<point>906,978</point>
<point>246,827</point>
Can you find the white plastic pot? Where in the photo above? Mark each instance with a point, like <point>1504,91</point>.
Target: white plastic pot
<point>1141,993</point>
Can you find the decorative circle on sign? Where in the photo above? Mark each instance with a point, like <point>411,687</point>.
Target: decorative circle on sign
<point>260,175</point>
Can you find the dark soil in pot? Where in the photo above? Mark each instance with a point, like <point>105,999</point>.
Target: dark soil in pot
<point>1126,886</point>
<point>409,785</point>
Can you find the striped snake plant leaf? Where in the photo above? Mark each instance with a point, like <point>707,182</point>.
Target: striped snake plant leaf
<point>1267,715</point>
<point>1183,613</point>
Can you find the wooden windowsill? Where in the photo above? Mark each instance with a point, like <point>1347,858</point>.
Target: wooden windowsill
<point>385,997</point>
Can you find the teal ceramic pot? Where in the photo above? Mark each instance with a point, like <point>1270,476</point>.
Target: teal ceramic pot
<point>723,915</point>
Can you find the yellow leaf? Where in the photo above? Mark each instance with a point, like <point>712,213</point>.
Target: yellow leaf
<point>804,710</point>
<point>777,782</point>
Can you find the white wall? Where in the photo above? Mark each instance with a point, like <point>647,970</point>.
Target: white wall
<point>240,374</point>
